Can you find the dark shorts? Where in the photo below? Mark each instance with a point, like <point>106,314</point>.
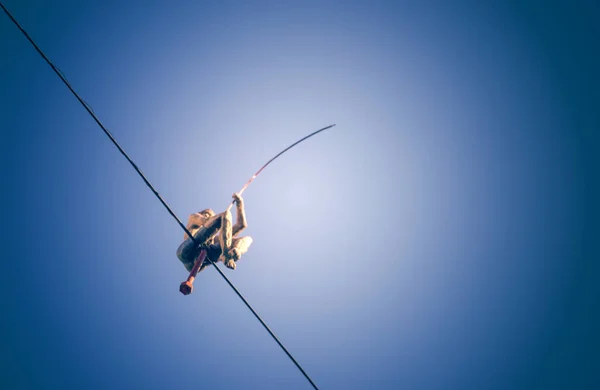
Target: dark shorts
<point>213,252</point>
<point>188,251</point>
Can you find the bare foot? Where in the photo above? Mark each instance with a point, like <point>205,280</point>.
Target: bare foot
<point>230,264</point>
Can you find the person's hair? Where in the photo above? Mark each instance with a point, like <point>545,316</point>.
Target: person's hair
<point>210,211</point>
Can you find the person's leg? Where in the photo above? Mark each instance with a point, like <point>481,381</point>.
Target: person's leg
<point>225,240</point>
<point>239,246</point>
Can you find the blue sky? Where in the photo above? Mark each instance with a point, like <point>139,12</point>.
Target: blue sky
<point>442,235</point>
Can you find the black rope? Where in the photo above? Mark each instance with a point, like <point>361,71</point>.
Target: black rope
<point>138,170</point>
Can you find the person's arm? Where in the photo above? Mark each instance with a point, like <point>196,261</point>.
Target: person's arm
<point>240,223</point>
<point>194,222</point>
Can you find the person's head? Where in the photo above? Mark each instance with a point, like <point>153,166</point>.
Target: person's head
<point>206,213</point>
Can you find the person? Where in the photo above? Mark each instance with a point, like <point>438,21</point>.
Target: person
<point>214,233</point>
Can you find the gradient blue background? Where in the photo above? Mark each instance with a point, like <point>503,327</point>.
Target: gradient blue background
<point>443,236</point>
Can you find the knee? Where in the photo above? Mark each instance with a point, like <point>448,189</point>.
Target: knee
<point>246,241</point>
